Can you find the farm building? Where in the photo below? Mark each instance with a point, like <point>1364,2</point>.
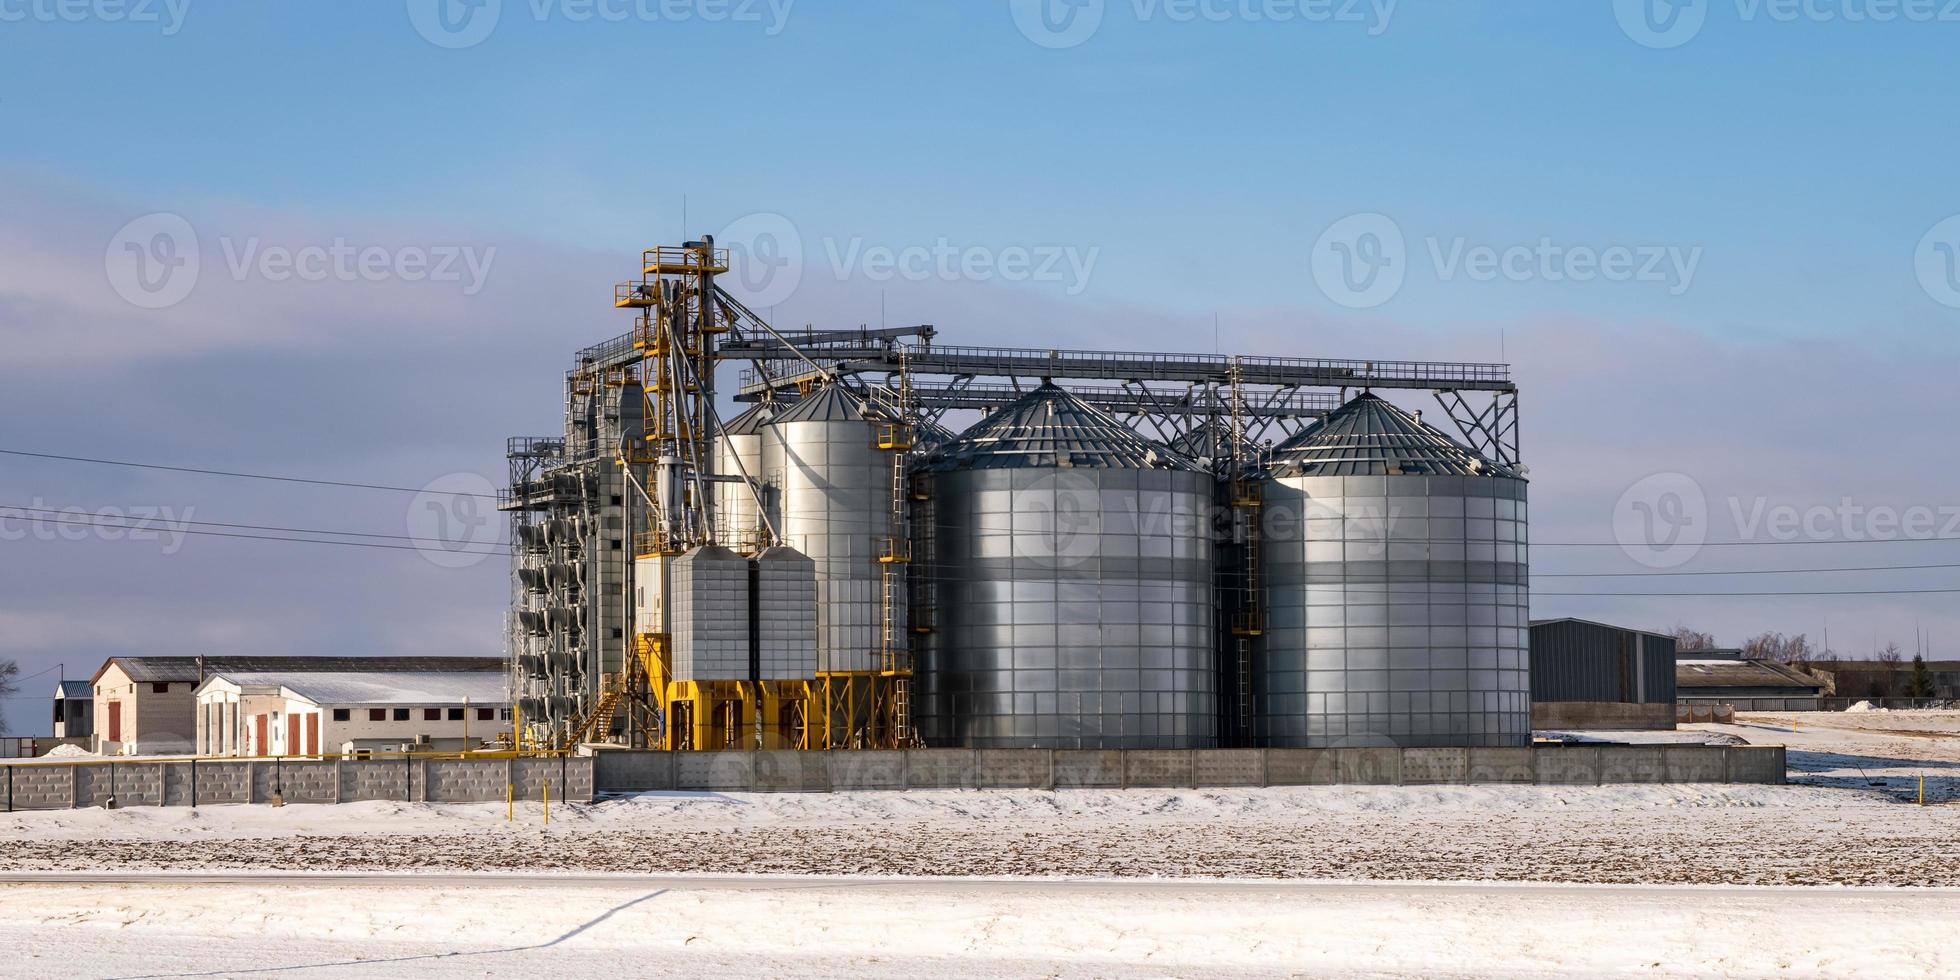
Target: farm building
<point>1587,675</point>
<point>245,713</point>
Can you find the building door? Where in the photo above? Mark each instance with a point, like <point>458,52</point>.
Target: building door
<point>292,734</point>
<point>313,733</point>
<point>262,724</point>
<point>115,721</point>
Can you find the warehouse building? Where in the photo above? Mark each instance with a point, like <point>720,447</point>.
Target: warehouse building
<point>253,714</point>
<point>147,705</point>
<point>1725,677</point>
<point>1587,675</point>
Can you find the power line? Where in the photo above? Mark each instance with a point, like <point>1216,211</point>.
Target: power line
<point>268,537</point>
<point>1754,571</point>
<point>485,496</point>
<point>169,524</point>
<point>238,475</point>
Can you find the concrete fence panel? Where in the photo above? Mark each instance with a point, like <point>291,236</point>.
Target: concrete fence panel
<point>1695,764</point>
<point>714,772</point>
<point>634,772</point>
<point>1088,769</point>
<point>1632,764</point>
<point>1501,765</point>
<point>1763,764</point>
<point>1160,768</point>
<point>1372,766</point>
<point>1302,767</point>
<point>1016,769</point>
<point>1566,765</point>
<point>791,772</point>
<point>850,772</point>
<point>1428,767</point>
<point>942,769</point>
<point>1233,768</point>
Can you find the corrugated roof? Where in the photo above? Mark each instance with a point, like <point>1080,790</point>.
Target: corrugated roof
<point>1050,427</point>
<point>751,422</point>
<point>81,690</point>
<point>1594,622</point>
<point>830,403</point>
<point>160,670</point>
<point>1741,673</point>
<point>391,687</point>
<point>1372,437</point>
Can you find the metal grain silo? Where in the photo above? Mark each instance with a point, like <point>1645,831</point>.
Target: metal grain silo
<point>739,452</point>
<point>1072,586</point>
<point>1396,589</point>
<point>836,490</point>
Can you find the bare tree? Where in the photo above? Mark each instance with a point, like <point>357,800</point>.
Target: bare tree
<point>1688,639</point>
<point>9,671</point>
<point>1891,656</point>
<point>1778,648</point>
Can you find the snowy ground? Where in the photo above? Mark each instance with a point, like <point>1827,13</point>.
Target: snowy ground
<point>491,926</point>
<point>1605,881</point>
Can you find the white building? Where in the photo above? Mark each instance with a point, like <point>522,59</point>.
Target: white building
<point>258,714</point>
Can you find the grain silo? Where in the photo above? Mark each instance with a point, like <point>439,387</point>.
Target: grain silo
<point>1396,590</point>
<point>738,454</point>
<point>1073,595</point>
<point>836,488</point>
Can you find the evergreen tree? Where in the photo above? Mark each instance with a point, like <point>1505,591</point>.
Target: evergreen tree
<point>1920,685</point>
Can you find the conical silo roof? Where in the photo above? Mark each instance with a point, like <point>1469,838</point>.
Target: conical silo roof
<point>1371,437</point>
<point>750,423</point>
<point>1048,427</point>
<point>830,403</point>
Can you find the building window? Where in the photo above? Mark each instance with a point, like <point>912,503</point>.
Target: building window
<point>455,714</point>
<point>343,714</point>
<point>504,714</point>
<point>431,714</point>
<point>486,714</point>
<point>159,689</point>
<point>377,714</point>
<point>401,714</point>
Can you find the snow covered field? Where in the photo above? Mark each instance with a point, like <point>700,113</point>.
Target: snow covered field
<point>1438,881</point>
<point>786,927</point>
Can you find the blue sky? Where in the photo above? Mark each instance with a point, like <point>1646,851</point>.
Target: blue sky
<point>1199,163</point>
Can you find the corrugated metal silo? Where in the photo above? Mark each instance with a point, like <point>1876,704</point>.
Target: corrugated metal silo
<point>1073,585</point>
<point>1396,589</point>
<point>835,488</point>
<point>740,452</point>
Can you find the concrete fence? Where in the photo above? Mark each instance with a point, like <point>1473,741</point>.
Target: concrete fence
<point>183,782</point>
<point>186,782</point>
<point>818,772</point>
